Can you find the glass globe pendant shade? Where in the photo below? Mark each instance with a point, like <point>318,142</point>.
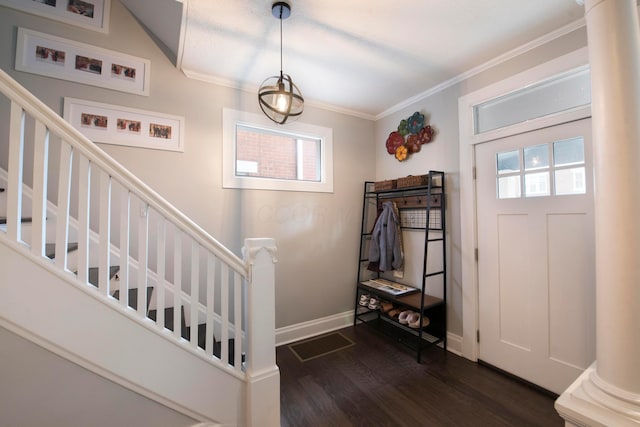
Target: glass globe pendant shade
<point>280,98</point>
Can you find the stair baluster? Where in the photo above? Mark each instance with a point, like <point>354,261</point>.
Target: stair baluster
<point>237,319</point>
<point>62,214</point>
<point>210,331</point>
<point>125,229</point>
<point>161,281</point>
<point>39,203</point>
<point>143,253</point>
<point>84,185</point>
<point>16,156</point>
<point>177,279</point>
<point>195,293</point>
<point>105,232</point>
<point>224,313</point>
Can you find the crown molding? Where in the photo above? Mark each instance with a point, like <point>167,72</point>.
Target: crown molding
<point>486,66</point>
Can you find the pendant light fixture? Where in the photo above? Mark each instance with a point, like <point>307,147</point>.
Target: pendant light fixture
<point>278,96</point>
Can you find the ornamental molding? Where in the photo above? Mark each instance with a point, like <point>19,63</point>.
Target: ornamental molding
<point>251,253</point>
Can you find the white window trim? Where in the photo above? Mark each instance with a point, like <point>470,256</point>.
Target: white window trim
<point>231,118</point>
<point>468,216</point>
<point>577,60</point>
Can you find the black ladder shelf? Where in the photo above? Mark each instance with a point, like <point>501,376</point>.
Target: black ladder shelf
<point>422,209</point>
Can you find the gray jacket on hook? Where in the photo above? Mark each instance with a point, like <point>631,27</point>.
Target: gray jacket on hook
<point>386,240</point>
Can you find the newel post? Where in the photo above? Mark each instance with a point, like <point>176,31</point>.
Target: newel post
<point>263,375</point>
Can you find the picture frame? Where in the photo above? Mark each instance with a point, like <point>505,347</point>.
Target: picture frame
<point>51,56</point>
<point>119,125</point>
<point>88,14</point>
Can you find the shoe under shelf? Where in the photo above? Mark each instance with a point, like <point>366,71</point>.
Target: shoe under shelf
<point>366,315</point>
<point>411,300</point>
<point>412,338</point>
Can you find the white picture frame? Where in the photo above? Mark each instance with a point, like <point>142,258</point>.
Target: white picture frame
<point>89,14</point>
<point>51,56</point>
<point>118,125</point>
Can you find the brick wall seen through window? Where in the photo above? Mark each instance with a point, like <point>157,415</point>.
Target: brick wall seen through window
<point>279,156</point>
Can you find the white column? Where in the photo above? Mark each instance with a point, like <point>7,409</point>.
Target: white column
<point>608,393</point>
<point>614,48</point>
<point>263,375</point>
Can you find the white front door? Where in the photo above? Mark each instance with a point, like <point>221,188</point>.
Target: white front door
<point>536,274</point>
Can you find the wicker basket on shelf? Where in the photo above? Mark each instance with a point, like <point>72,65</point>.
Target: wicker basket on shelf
<point>412,181</point>
<point>389,184</point>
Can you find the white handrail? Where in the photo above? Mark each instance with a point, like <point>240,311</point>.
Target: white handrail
<point>69,134</point>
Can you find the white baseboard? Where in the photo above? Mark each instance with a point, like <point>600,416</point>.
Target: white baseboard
<point>312,328</point>
<point>454,343</point>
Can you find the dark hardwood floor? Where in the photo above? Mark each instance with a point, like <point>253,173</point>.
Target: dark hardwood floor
<point>377,382</point>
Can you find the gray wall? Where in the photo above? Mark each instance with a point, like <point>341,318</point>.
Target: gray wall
<point>316,233</point>
<point>40,388</point>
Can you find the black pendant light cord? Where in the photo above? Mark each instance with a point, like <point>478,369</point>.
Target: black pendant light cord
<point>281,8</point>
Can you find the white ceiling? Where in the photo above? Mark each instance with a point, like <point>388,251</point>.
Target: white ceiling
<point>360,56</point>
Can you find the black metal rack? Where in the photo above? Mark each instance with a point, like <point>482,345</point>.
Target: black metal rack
<point>422,209</point>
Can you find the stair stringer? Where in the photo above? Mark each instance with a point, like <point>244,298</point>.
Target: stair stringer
<point>94,239</point>
<point>144,358</point>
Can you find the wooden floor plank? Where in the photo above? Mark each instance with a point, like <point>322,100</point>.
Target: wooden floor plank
<point>377,382</point>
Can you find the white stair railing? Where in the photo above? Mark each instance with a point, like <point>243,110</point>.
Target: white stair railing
<point>194,285</point>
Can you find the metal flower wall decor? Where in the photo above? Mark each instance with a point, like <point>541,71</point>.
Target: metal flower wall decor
<point>409,137</point>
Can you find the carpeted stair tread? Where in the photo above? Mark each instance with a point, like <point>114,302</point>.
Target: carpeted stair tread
<point>186,333</point>
<point>133,297</point>
<point>217,345</point>
<point>217,348</point>
<point>168,320</point>
<point>93,274</point>
<point>3,221</point>
<point>50,249</point>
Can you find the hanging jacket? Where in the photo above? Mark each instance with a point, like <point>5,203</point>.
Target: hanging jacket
<point>386,240</point>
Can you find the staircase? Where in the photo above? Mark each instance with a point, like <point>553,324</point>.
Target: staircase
<point>83,242</point>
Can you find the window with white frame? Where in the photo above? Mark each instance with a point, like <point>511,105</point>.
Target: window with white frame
<point>556,168</point>
<point>258,154</point>
<point>558,94</point>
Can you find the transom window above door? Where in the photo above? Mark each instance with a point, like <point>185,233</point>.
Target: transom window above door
<point>550,169</point>
<point>560,93</point>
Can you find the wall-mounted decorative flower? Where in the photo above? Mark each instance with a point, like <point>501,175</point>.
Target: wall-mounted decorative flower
<point>415,122</point>
<point>409,137</point>
<point>394,141</point>
<point>401,153</point>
